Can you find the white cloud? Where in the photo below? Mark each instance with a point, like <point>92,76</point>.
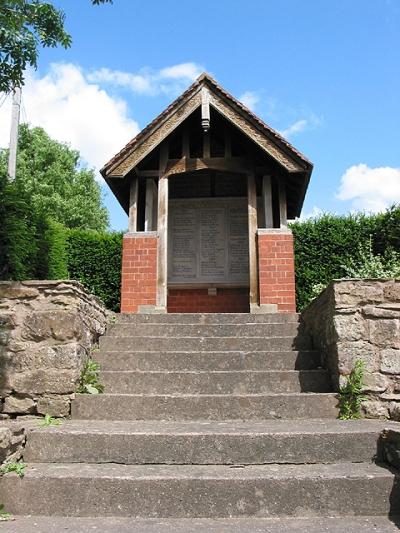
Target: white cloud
<point>75,111</point>
<point>296,127</point>
<point>168,80</point>
<point>311,122</point>
<point>370,189</point>
<point>315,212</point>
<point>250,99</point>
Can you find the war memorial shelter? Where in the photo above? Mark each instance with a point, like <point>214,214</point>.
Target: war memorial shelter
<point>208,188</point>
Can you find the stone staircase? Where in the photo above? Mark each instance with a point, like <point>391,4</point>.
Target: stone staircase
<point>205,416</point>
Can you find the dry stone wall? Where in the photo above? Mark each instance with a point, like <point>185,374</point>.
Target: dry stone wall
<point>47,329</point>
<point>360,319</point>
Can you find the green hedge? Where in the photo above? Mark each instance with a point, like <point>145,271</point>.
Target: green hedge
<point>94,259</point>
<point>324,244</point>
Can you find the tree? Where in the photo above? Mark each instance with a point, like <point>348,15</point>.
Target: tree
<point>24,26</point>
<point>56,183</point>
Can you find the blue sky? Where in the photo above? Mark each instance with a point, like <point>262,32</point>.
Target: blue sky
<point>325,73</point>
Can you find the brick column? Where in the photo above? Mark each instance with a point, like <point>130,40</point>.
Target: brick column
<point>139,271</point>
<point>276,269</point>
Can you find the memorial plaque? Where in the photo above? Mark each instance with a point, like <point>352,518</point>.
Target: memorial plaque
<point>208,241</point>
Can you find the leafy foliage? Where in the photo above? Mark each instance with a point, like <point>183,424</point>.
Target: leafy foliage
<point>370,265</point>
<point>89,382</point>
<point>350,394</point>
<point>24,26</point>
<point>94,259</point>
<point>48,420</point>
<point>14,466</point>
<point>50,175</point>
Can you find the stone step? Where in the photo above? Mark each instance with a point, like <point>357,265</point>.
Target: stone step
<point>206,318</point>
<point>113,524</point>
<point>207,344</point>
<point>202,442</point>
<point>203,330</point>
<point>208,407</point>
<point>207,361</point>
<point>220,382</point>
<point>208,491</point>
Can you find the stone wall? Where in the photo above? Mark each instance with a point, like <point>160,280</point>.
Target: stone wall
<point>360,319</point>
<point>47,329</point>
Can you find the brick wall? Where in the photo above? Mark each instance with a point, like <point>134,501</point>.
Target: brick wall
<point>139,271</point>
<point>276,269</point>
<point>199,301</point>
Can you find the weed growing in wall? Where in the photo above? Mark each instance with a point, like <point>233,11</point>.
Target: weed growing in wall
<point>350,394</point>
<point>13,466</point>
<point>89,382</point>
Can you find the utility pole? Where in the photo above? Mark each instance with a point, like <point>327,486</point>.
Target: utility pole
<point>12,157</point>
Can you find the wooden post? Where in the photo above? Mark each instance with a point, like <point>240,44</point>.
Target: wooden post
<point>252,217</point>
<point>162,224</point>
<point>267,201</point>
<point>133,199</point>
<point>149,213</point>
<point>282,203</point>
<point>206,145</point>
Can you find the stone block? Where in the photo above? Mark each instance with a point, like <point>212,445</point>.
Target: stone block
<point>390,361</point>
<point>54,405</point>
<point>357,292</point>
<point>350,351</point>
<point>392,292</point>
<point>385,332</point>
<point>18,405</point>
<point>5,443</point>
<point>394,411</point>
<point>375,409</point>
<point>17,291</point>
<point>375,382</point>
<point>59,356</point>
<point>44,381</point>
<point>60,325</point>
<point>371,311</point>
<point>350,327</point>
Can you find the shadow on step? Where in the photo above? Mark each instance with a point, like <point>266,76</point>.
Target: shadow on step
<point>388,457</point>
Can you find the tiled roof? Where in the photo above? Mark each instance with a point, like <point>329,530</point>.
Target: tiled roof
<point>204,79</point>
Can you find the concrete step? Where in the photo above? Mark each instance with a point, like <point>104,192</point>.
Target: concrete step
<point>219,382</point>
<point>207,344</point>
<point>112,524</point>
<point>202,442</point>
<point>207,361</point>
<point>208,407</point>
<point>206,318</point>
<point>204,330</point>
<point>211,491</point>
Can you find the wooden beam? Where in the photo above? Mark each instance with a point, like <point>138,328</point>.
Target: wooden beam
<point>133,199</point>
<point>149,215</point>
<point>148,173</point>
<point>267,201</point>
<point>252,220</point>
<point>162,232</point>
<point>282,203</point>
<point>234,164</point>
